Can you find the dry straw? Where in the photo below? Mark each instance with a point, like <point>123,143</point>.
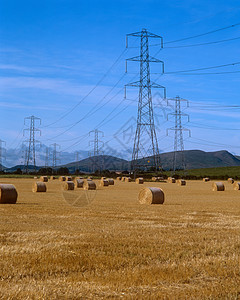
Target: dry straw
<point>128,179</point>
<point>151,195</point>
<point>52,178</point>
<point>230,180</point>
<point>123,178</point>
<point>139,180</point>
<point>110,181</point>
<point>181,182</point>
<point>39,187</point>
<point>119,178</point>
<point>68,185</point>
<point>89,185</point>
<point>62,178</point>
<point>44,178</point>
<point>8,194</point>
<point>236,186</point>
<point>79,183</point>
<point>218,186</point>
<point>206,179</point>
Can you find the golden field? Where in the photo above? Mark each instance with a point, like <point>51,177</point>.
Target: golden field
<point>112,248</point>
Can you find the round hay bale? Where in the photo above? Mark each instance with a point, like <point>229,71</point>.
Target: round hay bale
<point>68,185</point>
<point>154,179</point>
<point>69,178</point>
<point>139,180</point>
<point>104,182</point>
<point>44,178</point>
<point>171,180</point>
<point>236,186</point>
<point>90,177</point>
<point>8,194</point>
<point>181,182</point>
<point>39,187</point>
<point>52,178</point>
<point>89,185</point>
<point>110,181</point>
<point>79,183</point>
<point>151,195</point>
<point>230,180</point>
<point>128,179</point>
<point>206,179</point>
<point>62,178</point>
<point>218,186</point>
<point>35,177</point>
<point>123,178</point>
<point>160,178</point>
<point>119,178</point>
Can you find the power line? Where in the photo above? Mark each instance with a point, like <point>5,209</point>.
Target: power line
<point>210,73</point>
<point>206,68</point>
<point>202,44</point>
<point>93,110</point>
<point>88,94</point>
<point>202,34</point>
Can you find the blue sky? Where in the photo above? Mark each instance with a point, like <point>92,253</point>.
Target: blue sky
<point>52,53</point>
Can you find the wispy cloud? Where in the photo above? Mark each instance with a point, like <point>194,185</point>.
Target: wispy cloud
<point>22,106</point>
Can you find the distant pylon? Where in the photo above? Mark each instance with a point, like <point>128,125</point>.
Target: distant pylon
<point>2,155</point>
<point>97,161</point>
<point>145,141</point>
<point>178,133</point>
<point>31,152</point>
<point>47,156</point>
<point>54,154</point>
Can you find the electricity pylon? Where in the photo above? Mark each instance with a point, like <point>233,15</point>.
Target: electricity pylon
<point>178,133</point>
<point>54,154</point>
<point>31,152</point>
<point>94,154</point>
<point>145,150</point>
<point>2,155</point>
<point>47,157</point>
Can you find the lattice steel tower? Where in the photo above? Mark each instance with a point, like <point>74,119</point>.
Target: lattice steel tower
<point>97,162</point>
<point>54,154</point>
<point>31,150</point>
<point>47,156</point>
<point>145,150</point>
<point>2,155</point>
<point>178,134</point>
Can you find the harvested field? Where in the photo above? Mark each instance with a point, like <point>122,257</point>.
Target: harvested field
<point>187,248</point>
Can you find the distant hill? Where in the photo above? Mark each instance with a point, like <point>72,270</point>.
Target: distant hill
<point>104,162</point>
<point>195,159</point>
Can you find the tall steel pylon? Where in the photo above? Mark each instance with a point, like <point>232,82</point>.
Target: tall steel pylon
<point>47,157</point>
<point>54,154</point>
<point>178,133</point>
<point>2,155</point>
<point>145,150</point>
<point>97,162</point>
<point>31,152</point>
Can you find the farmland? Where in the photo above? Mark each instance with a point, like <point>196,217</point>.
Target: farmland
<point>104,244</point>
